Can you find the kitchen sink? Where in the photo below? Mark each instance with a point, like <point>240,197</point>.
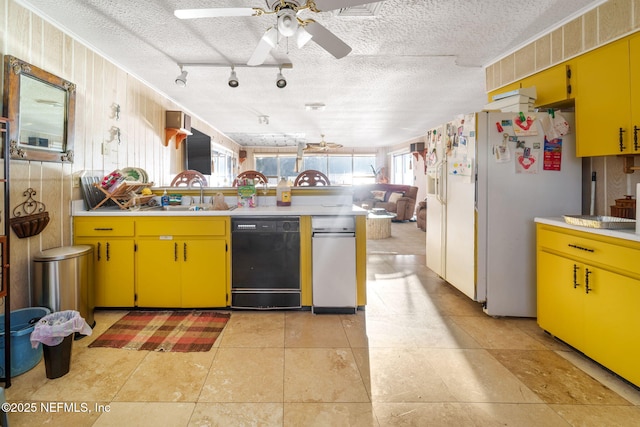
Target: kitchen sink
<point>198,207</point>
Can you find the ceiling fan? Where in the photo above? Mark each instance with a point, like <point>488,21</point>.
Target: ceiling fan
<point>321,146</point>
<point>288,24</point>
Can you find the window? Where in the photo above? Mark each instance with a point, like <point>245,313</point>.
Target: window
<point>402,173</point>
<point>318,163</point>
<point>276,166</point>
<point>363,169</point>
<point>222,173</point>
<point>340,169</point>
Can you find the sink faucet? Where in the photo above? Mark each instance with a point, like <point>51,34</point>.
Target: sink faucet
<point>199,180</point>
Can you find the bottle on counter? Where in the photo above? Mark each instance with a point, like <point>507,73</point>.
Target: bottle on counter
<point>283,193</point>
<point>164,200</point>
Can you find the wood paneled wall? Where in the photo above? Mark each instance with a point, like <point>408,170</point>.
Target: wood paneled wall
<point>100,86</point>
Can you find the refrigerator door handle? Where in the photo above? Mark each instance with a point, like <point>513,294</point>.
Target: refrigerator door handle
<point>439,182</point>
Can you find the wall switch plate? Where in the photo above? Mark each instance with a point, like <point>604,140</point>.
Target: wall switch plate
<point>105,149</point>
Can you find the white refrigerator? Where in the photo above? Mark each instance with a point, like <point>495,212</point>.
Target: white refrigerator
<point>488,176</point>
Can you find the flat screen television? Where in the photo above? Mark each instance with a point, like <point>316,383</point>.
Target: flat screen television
<point>198,152</point>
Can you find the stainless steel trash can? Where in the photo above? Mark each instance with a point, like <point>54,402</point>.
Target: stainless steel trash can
<point>63,280</point>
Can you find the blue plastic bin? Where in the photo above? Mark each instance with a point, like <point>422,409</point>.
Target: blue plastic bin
<point>23,356</point>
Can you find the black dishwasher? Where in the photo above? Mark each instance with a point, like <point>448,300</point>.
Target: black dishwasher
<point>265,262</point>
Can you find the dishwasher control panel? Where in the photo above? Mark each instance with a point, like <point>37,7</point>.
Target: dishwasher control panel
<point>266,224</point>
<point>333,224</point>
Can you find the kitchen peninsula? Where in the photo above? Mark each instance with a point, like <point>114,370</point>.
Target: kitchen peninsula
<point>158,258</point>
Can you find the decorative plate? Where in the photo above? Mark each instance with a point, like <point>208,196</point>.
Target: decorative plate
<point>134,174</point>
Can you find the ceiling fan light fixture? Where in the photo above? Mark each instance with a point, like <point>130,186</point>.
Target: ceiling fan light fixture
<point>287,22</point>
<point>281,82</point>
<point>302,37</point>
<point>181,80</point>
<point>233,79</point>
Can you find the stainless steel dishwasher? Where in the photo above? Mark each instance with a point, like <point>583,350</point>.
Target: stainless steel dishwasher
<point>334,264</point>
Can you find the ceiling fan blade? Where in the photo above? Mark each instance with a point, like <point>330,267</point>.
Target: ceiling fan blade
<point>215,12</point>
<point>327,40</point>
<point>266,43</point>
<point>326,5</point>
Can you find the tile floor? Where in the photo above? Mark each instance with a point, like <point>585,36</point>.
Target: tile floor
<point>421,354</point>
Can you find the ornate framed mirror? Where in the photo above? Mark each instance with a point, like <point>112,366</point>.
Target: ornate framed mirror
<point>41,107</point>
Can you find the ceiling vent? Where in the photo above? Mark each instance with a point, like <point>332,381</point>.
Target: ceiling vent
<point>370,9</point>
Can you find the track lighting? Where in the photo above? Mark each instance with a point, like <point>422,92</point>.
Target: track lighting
<point>233,79</point>
<point>280,80</point>
<point>181,80</point>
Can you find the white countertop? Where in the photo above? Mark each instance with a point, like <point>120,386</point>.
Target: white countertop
<point>627,234</point>
<point>297,210</point>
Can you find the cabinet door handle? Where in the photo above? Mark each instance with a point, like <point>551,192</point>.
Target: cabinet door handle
<point>575,276</point>
<point>184,251</point>
<point>107,252</point>
<point>635,137</point>
<point>99,249</point>
<point>621,139</point>
<point>586,280</point>
<point>175,252</point>
<point>580,247</point>
<point>103,229</point>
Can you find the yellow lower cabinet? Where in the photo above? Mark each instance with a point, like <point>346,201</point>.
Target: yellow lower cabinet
<point>589,298</point>
<point>113,257</point>
<point>182,262</point>
<point>158,272</point>
<point>204,273</point>
<point>560,303</point>
<point>113,263</point>
<point>612,322</point>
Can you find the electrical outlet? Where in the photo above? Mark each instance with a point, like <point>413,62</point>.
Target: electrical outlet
<point>105,149</point>
<point>76,178</point>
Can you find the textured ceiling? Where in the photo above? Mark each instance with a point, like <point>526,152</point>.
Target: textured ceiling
<point>414,63</point>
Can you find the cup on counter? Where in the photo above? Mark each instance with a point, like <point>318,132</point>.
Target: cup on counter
<point>186,200</point>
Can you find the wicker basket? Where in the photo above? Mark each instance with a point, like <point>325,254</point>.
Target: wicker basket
<point>29,225</point>
<point>624,208</point>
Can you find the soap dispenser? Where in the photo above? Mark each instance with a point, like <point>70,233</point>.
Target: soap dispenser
<point>164,200</point>
<point>283,193</point>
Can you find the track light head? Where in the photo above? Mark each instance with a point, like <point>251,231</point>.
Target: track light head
<point>280,80</point>
<point>181,80</point>
<point>233,79</point>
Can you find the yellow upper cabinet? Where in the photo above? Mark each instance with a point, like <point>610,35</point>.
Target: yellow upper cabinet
<point>607,99</point>
<point>553,86</point>
<point>634,88</point>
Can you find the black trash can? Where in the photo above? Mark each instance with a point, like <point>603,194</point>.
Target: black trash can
<point>57,358</point>
<point>55,331</point>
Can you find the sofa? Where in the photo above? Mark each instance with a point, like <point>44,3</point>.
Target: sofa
<point>421,216</point>
<point>399,199</point>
